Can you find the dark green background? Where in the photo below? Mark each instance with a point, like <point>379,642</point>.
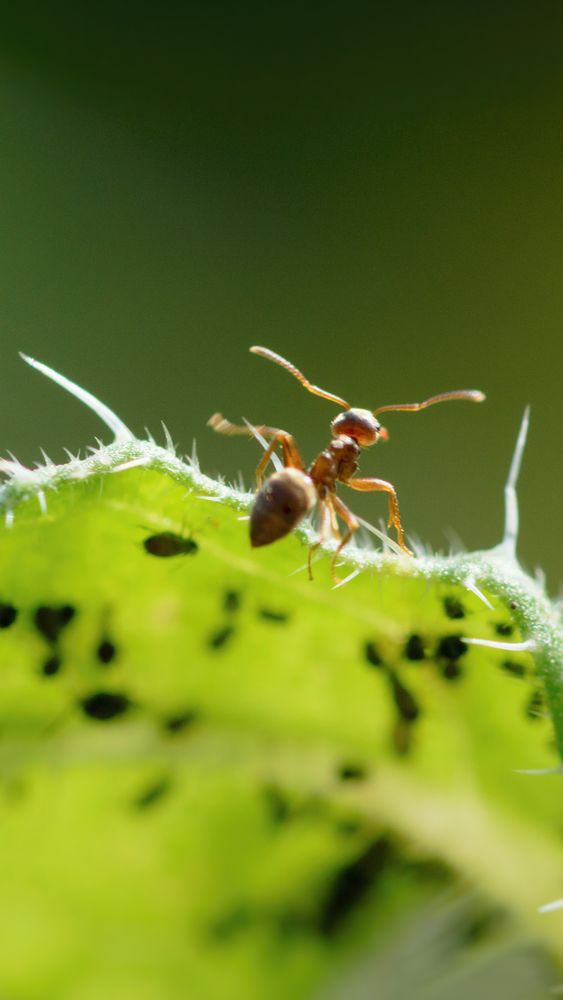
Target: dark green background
<point>373,191</point>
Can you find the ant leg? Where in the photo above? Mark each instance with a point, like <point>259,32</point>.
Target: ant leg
<point>291,457</point>
<point>352,525</point>
<point>368,485</point>
<point>290,452</point>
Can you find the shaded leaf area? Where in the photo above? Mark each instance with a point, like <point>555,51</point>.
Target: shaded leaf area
<point>223,780</point>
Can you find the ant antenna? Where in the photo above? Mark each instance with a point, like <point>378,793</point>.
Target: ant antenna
<point>473,395</point>
<point>278,360</point>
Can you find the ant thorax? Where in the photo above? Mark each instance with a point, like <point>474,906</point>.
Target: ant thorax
<point>338,462</point>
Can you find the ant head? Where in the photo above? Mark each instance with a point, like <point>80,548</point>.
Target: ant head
<point>280,505</point>
<point>360,425</point>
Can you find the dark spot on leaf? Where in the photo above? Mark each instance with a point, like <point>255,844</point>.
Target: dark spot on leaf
<point>270,615</point>
<point>351,884</point>
<point>514,668</point>
<point>534,707</point>
<point>182,720</point>
<point>402,737</point>
<point>453,607</point>
<point>221,637</point>
<point>404,700</point>
<point>8,615</point>
<point>513,606</point>
<point>414,648</point>
<point>451,647</point>
<point>152,794</point>
<point>106,652</point>
<point>51,666</point>
<point>167,544</point>
<point>350,771</point>
<point>105,705</point>
<point>231,601</point>
<point>371,654</point>
<point>504,628</point>
<point>451,670</point>
<point>50,621</point>
<point>277,804</point>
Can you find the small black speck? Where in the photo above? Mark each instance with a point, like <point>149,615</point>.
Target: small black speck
<point>404,700</point>
<point>504,628</point>
<point>270,615</point>
<point>51,666</point>
<point>371,654</point>
<point>231,601</point>
<point>182,720</point>
<point>221,637</point>
<point>535,705</point>
<point>513,606</point>
<point>151,795</point>
<point>514,668</point>
<point>350,771</point>
<point>105,705</point>
<point>451,647</point>
<point>277,804</point>
<point>453,607</point>
<point>452,671</point>
<point>414,648</point>
<point>8,615</point>
<point>50,621</point>
<point>106,652</point>
<point>351,884</point>
<point>168,544</point>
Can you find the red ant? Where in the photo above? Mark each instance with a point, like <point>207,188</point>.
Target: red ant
<point>287,496</point>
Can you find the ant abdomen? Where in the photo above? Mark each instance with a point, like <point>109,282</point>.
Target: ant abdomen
<point>280,505</point>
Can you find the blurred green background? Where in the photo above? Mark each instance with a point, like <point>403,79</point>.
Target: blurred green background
<point>374,192</point>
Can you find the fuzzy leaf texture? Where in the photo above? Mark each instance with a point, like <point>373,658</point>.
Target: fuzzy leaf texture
<point>221,780</point>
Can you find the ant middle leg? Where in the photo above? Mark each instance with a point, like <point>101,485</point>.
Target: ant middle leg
<point>352,525</point>
<point>369,485</point>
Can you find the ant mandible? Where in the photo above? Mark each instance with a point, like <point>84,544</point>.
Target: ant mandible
<point>287,496</point>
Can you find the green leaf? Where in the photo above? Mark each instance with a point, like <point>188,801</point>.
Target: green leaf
<point>224,780</point>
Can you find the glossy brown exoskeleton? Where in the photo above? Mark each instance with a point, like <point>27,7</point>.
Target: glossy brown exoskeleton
<point>287,496</point>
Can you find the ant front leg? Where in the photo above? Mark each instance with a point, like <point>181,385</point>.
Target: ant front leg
<point>381,485</point>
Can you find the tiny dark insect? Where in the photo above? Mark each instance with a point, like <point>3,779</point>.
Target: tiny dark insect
<point>106,652</point>
<point>287,496</point>
<point>371,654</point>
<point>414,648</point>
<point>8,615</point>
<point>51,666</point>
<point>221,637</point>
<point>271,615</point>
<point>181,720</point>
<point>50,621</point>
<point>453,607</point>
<point>105,705</point>
<point>167,544</point>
